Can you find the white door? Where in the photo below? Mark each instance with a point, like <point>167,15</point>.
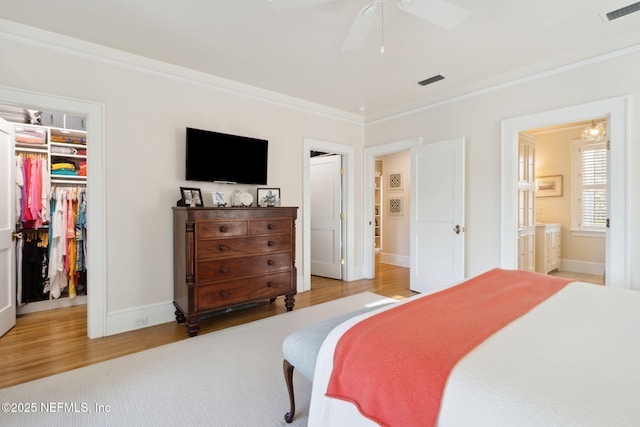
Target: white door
<point>326,209</point>
<point>437,215</point>
<point>7,256</point>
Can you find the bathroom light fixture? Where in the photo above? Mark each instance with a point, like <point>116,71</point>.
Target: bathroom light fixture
<point>594,132</point>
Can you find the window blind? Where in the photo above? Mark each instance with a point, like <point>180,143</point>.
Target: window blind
<point>594,186</point>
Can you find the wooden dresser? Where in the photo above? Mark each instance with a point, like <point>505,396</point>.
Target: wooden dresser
<point>224,257</point>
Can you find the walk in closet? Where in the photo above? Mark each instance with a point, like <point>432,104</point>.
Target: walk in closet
<point>51,208</point>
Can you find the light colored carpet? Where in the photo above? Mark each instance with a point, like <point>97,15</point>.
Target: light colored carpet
<point>230,378</point>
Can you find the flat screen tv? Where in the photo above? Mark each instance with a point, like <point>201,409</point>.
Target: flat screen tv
<point>219,157</point>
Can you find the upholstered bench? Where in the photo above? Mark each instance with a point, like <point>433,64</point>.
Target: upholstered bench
<point>301,348</point>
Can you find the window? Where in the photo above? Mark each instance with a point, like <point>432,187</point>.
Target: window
<point>589,202</point>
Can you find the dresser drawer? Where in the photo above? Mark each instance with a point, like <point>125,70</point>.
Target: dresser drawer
<point>209,229</point>
<point>270,226</point>
<point>230,268</point>
<point>232,292</point>
<point>209,249</point>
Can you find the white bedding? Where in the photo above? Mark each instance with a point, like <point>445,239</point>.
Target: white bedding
<point>574,360</point>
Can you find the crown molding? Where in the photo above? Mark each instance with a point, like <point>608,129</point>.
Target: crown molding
<point>28,35</point>
<point>512,82</point>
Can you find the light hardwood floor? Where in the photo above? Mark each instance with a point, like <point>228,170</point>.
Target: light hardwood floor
<point>50,342</point>
<point>582,277</point>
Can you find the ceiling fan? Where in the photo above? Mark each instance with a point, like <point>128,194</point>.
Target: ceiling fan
<point>442,13</point>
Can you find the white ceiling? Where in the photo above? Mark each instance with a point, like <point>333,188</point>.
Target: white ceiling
<point>297,52</point>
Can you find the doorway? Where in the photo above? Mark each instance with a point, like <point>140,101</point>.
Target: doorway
<point>569,206</point>
<point>615,109</point>
<point>347,204</point>
<point>437,188</point>
<point>371,156</point>
<point>96,206</point>
<point>392,204</point>
<point>326,215</point>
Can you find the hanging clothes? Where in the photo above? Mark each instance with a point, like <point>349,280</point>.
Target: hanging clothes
<point>19,185</point>
<point>51,255</point>
<point>68,241</point>
<point>57,250</point>
<point>32,190</point>
<point>34,265</point>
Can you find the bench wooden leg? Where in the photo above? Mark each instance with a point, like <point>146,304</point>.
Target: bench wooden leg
<point>287,368</point>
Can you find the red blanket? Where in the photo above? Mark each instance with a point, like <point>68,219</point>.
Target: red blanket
<point>394,366</point>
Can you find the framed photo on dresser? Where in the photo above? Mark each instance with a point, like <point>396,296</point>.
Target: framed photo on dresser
<point>191,197</point>
<point>268,197</point>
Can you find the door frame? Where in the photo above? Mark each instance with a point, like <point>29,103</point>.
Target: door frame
<point>370,154</point>
<point>347,201</point>
<point>96,202</point>
<point>617,263</point>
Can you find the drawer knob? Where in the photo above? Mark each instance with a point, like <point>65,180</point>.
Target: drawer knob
<point>224,294</point>
<point>224,270</point>
<point>271,243</point>
<point>271,226</point>
<point>270,284</point>
<point>224,228</point>
<point>224,248</point>
<point>271,262</point>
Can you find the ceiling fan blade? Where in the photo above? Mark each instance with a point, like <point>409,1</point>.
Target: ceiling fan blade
<point>361,27</point>
<point>291,4</point>
<point>439,12</point>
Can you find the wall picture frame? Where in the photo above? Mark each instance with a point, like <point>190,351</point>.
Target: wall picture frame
<point>191,197</point>
<point>268,197</point>
<point>549,186</point>
<point>395,206</point>
<point>395,181</point>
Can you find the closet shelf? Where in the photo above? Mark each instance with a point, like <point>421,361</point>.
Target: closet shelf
<point>71,156</point>
<point>80,180</point>
<point>68,144</point>
<point>32,148</point>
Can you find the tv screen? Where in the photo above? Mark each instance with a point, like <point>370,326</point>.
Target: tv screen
<point>219,157</point>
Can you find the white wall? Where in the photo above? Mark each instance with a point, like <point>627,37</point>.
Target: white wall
<point>479,117</point>
<point>147,107</point>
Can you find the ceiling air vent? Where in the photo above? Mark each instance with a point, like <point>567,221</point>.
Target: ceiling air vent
<point>623,11</point>
<point>431,80</point>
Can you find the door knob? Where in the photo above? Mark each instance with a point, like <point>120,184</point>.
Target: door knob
<point>15,235</point>
<point>457,229</point>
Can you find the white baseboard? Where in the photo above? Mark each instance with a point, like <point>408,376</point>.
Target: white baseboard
<point>140,317</point>
<point>52,304</point>
<point>582,267</point>
<point>394,259</point>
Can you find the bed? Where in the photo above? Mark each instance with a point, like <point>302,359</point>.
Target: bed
<point>572,358</point>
